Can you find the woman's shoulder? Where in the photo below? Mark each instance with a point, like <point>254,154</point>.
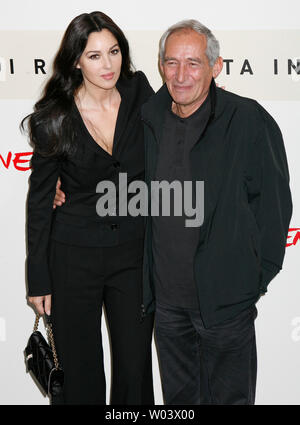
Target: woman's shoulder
<point>140,82</point>
<point>141,76</point>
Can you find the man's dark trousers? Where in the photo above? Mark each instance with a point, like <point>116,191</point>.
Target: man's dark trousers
<point>206,366</point>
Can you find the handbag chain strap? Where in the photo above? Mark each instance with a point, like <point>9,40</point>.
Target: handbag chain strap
<point>50,337</point>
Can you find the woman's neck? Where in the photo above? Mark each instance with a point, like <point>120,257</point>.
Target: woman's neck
<point>91,97</point>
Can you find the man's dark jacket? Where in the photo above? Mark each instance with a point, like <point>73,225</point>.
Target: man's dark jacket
<point>247,203</point>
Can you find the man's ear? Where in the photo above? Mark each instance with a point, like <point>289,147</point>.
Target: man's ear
<point>161,66</point>
<point>218,66</point>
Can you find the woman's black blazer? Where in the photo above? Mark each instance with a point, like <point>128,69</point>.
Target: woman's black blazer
<point>77,221</point>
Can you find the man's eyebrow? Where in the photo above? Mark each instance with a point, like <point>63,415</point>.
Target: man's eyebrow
<point>167,58</point>
<point>195,60</point>
<point>99,51</point>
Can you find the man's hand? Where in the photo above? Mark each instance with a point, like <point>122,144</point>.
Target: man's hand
<point>60,197</point>
<point>42,304</point>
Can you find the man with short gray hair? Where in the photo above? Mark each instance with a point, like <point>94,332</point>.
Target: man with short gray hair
<point>204,281</point>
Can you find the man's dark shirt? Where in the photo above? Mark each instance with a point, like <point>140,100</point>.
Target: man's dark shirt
<point>174,244</point>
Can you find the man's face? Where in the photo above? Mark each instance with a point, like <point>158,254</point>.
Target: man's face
<point>186,68</point>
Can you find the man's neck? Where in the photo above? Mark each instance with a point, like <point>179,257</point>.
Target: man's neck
<point>184,111</point>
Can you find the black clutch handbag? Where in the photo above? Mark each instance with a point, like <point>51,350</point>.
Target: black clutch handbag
<point>41,360</point>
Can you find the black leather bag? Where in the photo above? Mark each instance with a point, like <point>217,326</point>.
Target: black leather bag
<point>42,361</point>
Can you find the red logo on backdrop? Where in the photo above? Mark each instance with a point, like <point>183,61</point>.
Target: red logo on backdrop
<point>17,160</point>
<point>293,234</point>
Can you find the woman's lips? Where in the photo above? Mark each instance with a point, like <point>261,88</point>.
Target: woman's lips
<point>108,76</point>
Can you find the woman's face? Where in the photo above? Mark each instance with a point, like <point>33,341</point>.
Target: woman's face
<point>101,60</point>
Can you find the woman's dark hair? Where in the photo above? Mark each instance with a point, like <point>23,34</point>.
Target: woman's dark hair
<point>52,111</point>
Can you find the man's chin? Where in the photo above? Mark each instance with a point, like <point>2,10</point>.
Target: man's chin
<point>180,100</point>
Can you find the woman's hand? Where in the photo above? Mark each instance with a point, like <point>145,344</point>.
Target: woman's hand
<point>42,304</point>
<point>222,87</point>
<point>60,197</point>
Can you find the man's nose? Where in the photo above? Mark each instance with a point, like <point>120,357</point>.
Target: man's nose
<point>181,73</point>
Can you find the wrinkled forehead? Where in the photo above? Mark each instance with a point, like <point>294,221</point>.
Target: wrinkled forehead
<point>184,42</point>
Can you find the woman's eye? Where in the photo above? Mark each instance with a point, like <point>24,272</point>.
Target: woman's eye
<point>115,51</point>
<point>94,57</point>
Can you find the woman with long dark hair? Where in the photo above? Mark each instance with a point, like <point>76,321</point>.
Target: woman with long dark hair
<point>85,129</point>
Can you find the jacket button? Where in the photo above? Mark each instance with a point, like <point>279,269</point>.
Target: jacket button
<point>114,226</point>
